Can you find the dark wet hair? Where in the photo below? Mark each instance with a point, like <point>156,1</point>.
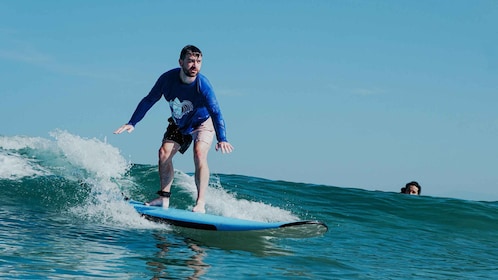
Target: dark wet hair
<point>190,50</point>
<point>413,183</point>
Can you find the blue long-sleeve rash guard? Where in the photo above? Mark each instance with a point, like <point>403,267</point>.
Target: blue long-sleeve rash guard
<point>190,104</point>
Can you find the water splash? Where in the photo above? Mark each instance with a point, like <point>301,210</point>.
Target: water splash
<point>221,202</point>
<point>105,175</point>
<point>93,155</point>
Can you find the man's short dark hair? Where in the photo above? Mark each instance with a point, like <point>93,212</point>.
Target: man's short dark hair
<point>190,50</point>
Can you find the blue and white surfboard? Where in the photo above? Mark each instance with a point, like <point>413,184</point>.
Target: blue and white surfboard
<point>189,219</point>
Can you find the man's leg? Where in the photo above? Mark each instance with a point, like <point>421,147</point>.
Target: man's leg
<point>201,150</point>
<point>166,171</point>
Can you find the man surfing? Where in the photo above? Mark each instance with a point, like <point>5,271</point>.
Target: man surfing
<point>195,117</point>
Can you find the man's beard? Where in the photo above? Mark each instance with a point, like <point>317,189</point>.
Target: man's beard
<point>188,74</point>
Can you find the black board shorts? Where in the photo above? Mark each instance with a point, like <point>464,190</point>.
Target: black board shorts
<point>173,134</point>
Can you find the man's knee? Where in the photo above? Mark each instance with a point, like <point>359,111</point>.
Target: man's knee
<point>201,150</point>
<point>167,150</point>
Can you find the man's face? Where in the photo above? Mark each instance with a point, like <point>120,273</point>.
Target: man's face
<point>191,64</point>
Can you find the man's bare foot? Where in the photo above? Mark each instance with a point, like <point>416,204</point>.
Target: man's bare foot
<point>199,208</point>
<point>160,201</point>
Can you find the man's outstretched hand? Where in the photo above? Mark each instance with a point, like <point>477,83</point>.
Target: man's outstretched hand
<point>125,127</point>
<point>225,147</point>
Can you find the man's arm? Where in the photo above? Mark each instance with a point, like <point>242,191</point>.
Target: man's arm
<point>213,108</point>
<point>145,104</point>
<point>218,122</point>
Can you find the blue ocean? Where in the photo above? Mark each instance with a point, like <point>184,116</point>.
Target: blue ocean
<point>63,216</point>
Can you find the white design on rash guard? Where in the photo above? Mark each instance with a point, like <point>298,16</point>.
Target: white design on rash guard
<point>180,109</point>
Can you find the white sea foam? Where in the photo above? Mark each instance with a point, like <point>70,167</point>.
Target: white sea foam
<point>21,142</point>
<point>105,166</point>
<point>101,167</point>
<point>93,162</point>
<point>14,166</point>
<point>92,155</point>
<point>221,202</point>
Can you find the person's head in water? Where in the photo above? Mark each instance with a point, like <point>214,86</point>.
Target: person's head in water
<point>412,188</point>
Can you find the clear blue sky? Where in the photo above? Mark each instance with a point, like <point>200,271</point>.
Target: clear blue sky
<point>362,94</point>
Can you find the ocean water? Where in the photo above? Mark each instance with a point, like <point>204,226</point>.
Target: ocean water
<point>62,216</point>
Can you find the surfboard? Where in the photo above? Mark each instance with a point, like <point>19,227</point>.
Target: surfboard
<point>189,219</point>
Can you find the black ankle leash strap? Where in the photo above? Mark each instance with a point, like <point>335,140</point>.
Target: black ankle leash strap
<point>164,194</point>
